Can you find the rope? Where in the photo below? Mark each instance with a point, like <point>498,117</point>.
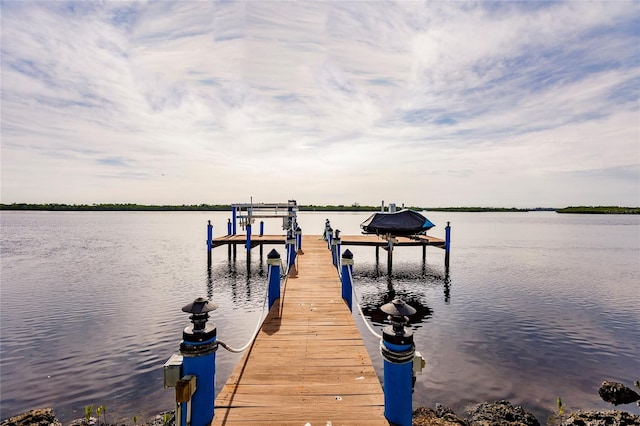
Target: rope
<point>355,298</point>
<point>258,325</point>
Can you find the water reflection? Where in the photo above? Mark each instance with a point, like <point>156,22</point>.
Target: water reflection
<point>371,304</point>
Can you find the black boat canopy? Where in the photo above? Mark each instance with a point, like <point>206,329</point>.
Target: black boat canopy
<point>403,222</point>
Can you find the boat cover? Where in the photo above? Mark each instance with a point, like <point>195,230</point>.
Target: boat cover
<point>403,222</point>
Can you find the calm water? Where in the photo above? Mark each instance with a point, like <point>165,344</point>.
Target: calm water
<point>535,306</point>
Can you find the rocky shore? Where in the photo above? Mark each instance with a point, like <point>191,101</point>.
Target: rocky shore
<point>498,413</point>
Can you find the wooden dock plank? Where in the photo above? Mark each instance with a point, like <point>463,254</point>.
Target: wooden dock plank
<point>308,363</point>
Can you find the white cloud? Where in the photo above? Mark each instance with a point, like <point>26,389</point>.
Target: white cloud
<point>430,103</point>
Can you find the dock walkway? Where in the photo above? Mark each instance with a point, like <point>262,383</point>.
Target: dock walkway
<point>308,363</point>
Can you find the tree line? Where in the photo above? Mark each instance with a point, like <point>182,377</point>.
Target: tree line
<point>309,207</point>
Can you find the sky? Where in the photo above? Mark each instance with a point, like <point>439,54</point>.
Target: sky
<point>431,104</point>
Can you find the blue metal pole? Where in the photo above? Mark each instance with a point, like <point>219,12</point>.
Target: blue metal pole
<point>273,272</point>
<point>228,226</point>
<point>234,215</point>
<point>261,228</point>
<point>198,349</point>
<point>347,285</point>
<point>248,243</point>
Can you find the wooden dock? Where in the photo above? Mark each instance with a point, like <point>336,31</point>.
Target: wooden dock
<point>346,240</point>
<point>308,363</point>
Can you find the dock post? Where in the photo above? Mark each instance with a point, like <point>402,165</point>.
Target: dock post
<point>335,249</point>
<point>261,228</point>
<point>234,215</point>
<point>389,258</point>
<point>299,240</point>
<point>228,226</point>
<point>209,242</point>
<point>398,352</point>
<point>248,243</point>
<point>273,272</point>
<point>195,390</point>
<point>447,244</point>
<point>291,254</point>
<point>346,278</point>
<point>329,237</point>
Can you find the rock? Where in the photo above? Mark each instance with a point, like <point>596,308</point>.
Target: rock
<point>442,416</point>
<point>84,422</point>
<point>600,418</point>
<point>38,417</point>
<point>501,413</point>
<point>617,393</point>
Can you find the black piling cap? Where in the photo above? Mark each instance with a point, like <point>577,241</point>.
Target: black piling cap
<point>347,254</point>
<point>199,310</point>
<point>199,306</point>
<point>398,308</point>
<point>398,317</point>
<point>273,254</point>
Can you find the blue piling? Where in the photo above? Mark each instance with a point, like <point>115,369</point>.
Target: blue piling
<point>273,272</point>
<point>299,239</point>
<point>248,243</point>
<point>346,278</point>
<point>228,226</point>
<point>398,351</point>
<point>234,216</point>
<point>198,349</point>
<point>291,252</point>
<point>335,249</point>
<point>329,237</point>
<point>447,244</point>
<point>209,241</point>
<point>261,228</point>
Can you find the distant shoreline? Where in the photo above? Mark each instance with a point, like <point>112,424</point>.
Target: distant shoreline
<point>331,208</point>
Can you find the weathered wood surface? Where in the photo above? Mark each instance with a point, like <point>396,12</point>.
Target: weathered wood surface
<point>308,363</point>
